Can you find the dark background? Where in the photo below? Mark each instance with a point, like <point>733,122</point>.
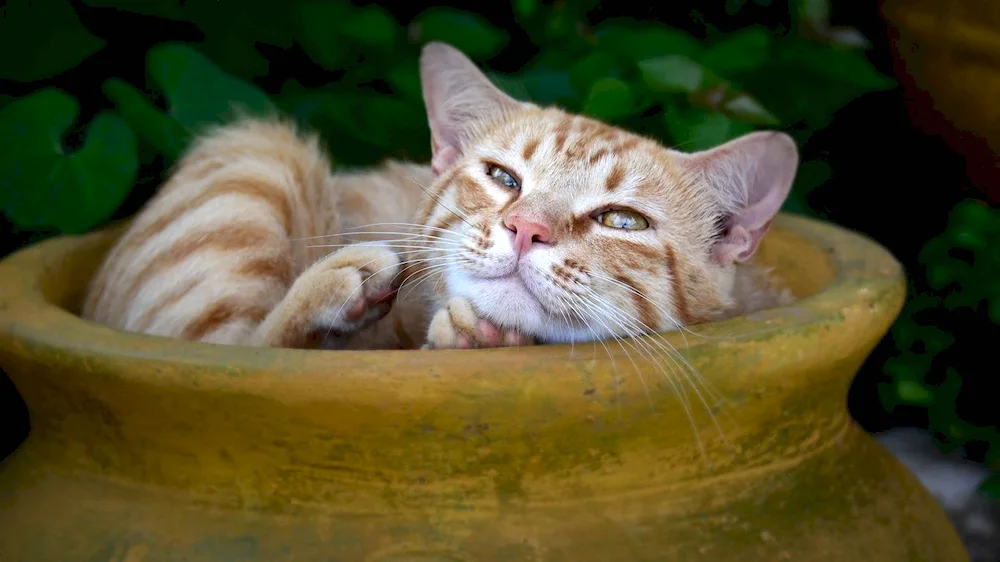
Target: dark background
<point>884,175</point>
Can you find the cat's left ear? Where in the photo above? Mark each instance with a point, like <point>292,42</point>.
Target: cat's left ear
<point>751,177</point>
<point>457,96</point>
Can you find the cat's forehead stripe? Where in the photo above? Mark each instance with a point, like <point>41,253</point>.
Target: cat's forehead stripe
<point>615,177</point>
<point>529,148</point>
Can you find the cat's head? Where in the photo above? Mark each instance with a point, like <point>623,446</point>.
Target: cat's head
<point>569,229</point>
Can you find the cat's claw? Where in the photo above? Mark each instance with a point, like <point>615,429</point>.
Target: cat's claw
<point>457,326</point>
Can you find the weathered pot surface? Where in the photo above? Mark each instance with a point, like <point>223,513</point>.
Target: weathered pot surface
<point>146,449</point>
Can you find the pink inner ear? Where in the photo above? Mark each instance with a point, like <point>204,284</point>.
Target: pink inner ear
<point>457,96</point>
<point>739,244</point>
<point>443,157</point>
<point>751,176</point>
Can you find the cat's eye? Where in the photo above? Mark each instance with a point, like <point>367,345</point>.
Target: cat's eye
<point>503,177</point>
<point>623,219</point>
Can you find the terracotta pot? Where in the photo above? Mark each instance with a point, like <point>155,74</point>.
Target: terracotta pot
<point>149,449</point>
<point>948,60</point>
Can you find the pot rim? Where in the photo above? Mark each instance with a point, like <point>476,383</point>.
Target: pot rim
<point>35,321</point>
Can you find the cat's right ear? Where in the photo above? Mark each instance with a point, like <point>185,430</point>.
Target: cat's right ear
<point>458,96</point>
<point>751,177</point>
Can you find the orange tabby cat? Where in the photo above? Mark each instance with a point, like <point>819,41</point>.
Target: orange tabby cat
<point>529,225</point>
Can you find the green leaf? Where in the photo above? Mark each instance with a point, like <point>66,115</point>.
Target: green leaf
<point>468,32</point>
<point>610,99</point>
<point>994,310</point>
<point>314,20</point>
<point>550,85</point>
<point>404,77</point>
<point>973,214</point>
<point>158,129</point>
<point>371,26</point>
<point>694,129</point>
<point>913,392</point>
<point>198,91</point>
<point>991,486</point>
<point>591,68</point>
<point>380,120</point>
<point>672,73</point>
<point>43,187</point>
<point>42,38</point>
<point>815,12</point>
<point>841,65</point>
<point>234,54</point>
<point>233,30</point>
<point>634,43</point>
<point>741,51</point>
<point>525,8</point>
<point>510,85</point>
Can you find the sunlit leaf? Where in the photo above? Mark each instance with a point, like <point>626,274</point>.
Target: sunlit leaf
<point>42,186</point>
<point>847,37</point>
<point>744,108</point>
<point>672,73</point>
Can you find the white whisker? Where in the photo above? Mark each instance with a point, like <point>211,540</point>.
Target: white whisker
<point>685,404</point>
<point>461,216</point>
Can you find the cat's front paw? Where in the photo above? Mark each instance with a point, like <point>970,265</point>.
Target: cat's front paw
<point>457,326</point>
<point>351,288</point>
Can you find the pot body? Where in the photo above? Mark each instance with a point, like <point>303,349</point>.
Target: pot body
<point>948,59</point>
<point>736,446</point>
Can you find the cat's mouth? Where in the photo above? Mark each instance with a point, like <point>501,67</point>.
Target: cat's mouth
<point>506,301</point>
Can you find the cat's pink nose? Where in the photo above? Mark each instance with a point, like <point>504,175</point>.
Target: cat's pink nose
<point>527,232</point>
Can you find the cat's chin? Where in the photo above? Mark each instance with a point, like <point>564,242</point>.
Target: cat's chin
<point>508,302</point>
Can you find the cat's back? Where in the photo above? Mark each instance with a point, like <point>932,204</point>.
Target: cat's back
<point>217,247</point>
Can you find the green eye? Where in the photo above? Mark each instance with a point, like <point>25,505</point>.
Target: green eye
<point>503,177</point>
<point>625,220</point>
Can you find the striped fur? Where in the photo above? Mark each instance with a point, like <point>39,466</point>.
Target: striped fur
<point>240,246</point>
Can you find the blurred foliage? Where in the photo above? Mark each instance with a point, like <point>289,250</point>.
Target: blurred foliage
<point>88,129</point>
<point>691,92</point>
<point>958,288</point>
